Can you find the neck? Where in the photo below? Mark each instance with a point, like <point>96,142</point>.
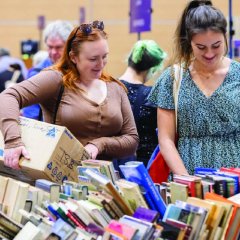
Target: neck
<point>132,76</point>
<point>200,68</point>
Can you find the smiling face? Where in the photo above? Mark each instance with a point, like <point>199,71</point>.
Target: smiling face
<point>92,59</point>
<point>208,48</point>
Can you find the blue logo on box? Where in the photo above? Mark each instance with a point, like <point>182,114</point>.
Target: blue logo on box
<point>52,132</point>
<point>1,152</point>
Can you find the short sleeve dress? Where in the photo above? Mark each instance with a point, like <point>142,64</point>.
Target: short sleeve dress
<point>208,127</point>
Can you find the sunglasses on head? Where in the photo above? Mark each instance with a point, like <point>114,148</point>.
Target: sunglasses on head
<point>86,28</point>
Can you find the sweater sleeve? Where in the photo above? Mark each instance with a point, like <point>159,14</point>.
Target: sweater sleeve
<point>125,144</point>
<point>37,89</point>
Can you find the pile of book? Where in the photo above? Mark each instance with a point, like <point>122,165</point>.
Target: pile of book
<point>103,206</point>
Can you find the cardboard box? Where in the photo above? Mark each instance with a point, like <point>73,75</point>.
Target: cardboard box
<point>54,151</point>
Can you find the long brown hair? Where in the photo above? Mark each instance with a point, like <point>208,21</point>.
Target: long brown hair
<point>73,44</point>
<point>198,16</point>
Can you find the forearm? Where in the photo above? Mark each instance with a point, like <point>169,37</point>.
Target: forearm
<point>172,158</point>
<point>120,146</point>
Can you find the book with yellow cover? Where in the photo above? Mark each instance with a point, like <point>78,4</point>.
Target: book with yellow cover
<point>131,193</point>
<point>211,207</point>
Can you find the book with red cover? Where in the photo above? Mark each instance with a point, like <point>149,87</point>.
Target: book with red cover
<point>193,183</point>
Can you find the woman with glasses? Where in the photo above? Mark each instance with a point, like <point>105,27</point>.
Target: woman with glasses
<point>78,94</point>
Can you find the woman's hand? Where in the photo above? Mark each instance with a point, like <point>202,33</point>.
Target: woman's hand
<point>92,150</point>
<point>12,156</point>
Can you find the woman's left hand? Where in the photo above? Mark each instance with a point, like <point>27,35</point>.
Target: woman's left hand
<point>92,150</point>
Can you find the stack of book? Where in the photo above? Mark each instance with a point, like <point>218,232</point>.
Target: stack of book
<point>105,208</point>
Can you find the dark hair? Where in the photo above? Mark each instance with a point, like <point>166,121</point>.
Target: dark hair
<point>198,16</point>
<point>73,46</point>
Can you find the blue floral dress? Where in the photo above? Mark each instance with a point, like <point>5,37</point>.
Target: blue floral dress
<point>208,127</point>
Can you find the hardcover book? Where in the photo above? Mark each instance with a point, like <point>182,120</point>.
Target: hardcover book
<point>137,172</point>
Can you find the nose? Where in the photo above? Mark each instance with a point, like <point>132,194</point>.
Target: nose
<point>101,63</point>
<point>209,53</point>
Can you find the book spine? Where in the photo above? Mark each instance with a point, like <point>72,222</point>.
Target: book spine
<point>116,208</point>
<point>109,209</point>
<point>149,201</point>
<point>154,194</point>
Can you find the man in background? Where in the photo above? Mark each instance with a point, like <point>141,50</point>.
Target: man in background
<point>54,35</point>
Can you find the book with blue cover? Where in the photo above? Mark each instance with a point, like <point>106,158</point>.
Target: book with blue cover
<point>137,172</point>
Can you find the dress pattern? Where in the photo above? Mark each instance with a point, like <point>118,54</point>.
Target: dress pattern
<point>208,127</point>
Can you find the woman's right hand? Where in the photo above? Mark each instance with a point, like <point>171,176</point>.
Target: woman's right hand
<point>12,156</point>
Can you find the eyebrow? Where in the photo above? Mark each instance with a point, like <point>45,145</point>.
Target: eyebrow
<point>198,44</point>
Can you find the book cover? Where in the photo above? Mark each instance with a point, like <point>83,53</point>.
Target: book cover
<point>131,193</point>
<point>200,218</point>
<point>95,211</point>
<point>112,203</point>
<point>234,222</point>
<point>51,187</point>
<point>178,191</point>
<point>235,178</point>
<point>103,182</point>
<point>228,209</point>
<point>81,212</point>
<point>106,167</point>
<point>145,229</point>
<point>211,207</point>
<point>169,231</point>
<point>146,214</point>
<point>187,228</point>
<point>121,230</point>
<point>193,182</point>
<point>137,172</point>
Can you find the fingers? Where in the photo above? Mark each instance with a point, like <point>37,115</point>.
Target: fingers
<point>25,153</point>
<point>12,156</point>
<point>11,159</point>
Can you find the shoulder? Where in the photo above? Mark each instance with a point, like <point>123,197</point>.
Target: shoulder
<point>116,86</point>
<point>47,77</point>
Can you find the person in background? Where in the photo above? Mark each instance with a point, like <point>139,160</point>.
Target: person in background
<point>145,59</point>
<point>54,35</point>
<point>93,106</point>
<point>39,57</point>
<point>208,123</point>
<point>10,76</point>
<point>6,60</point>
